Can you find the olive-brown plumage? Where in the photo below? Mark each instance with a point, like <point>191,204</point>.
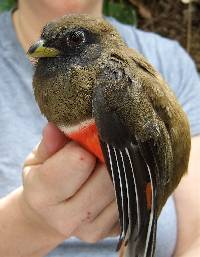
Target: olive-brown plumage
<point>85,74</point>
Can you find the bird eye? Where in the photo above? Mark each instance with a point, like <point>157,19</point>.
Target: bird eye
<point>76,38</point>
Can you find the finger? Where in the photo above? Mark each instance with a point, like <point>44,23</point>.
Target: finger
<point>115,231</point>
<point>93,196</point>
<point>106,224</point>
<point>52,141</point>
<point>61,176</point>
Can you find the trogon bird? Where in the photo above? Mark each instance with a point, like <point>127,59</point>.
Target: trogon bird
<point>110,100</point>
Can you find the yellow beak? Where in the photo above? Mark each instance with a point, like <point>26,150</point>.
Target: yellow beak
<point>38,50</point>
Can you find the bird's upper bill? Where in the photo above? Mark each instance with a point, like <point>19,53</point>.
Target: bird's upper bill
<point>38,50</point>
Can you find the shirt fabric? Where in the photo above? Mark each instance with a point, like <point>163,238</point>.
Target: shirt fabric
<point>21,122</point>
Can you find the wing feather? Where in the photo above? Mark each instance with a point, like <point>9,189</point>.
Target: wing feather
<point>133,165</point>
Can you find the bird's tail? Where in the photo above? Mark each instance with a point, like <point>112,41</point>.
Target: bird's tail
<point>144,244</point>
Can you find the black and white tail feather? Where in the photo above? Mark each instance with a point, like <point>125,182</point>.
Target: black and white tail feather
<point>138,223</point>
<point>131,172</point>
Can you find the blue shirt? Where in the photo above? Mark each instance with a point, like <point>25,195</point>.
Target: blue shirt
<point>21,122</point>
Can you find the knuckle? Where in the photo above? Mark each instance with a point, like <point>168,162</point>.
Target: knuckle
<point>32,159</point>
<point>25,172</point>
<point>33,198</point>
<point>66,227</point>
<point>29,173</point>
<point>27,176</point>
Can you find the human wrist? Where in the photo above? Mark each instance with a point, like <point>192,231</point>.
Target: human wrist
<point>34,220</point>
<point>30,236</point>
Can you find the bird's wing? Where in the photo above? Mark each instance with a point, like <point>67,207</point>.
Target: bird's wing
<point>132,165</point>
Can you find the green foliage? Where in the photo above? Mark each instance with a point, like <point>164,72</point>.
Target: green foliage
<point>121,10</point>
<point>7,4</point>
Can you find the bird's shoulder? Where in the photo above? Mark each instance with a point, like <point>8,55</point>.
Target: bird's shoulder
<point>125,69</point>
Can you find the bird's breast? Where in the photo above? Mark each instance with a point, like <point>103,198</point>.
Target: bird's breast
<point>86,135</point>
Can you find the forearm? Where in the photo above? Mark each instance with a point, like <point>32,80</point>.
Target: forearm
<point>187,197</point>
<point>21,236</point>
<point>193,251</point>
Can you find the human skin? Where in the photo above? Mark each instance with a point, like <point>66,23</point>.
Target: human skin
<point>47,218</point>
<point>60,197</point>
<point>187,200</point>
<point>35,14</point>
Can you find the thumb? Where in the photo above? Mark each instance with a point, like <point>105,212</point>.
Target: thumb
<point>52,141</point>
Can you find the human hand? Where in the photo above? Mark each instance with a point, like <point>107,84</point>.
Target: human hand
<point>66,192</point>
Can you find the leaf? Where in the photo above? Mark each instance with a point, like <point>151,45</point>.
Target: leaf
<point>122,11</point>
<point>7,4</point>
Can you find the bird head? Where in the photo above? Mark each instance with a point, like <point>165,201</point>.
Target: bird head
<point>75,36</point>
<point>68,55</point>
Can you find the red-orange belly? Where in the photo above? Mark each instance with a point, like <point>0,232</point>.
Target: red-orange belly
<point>88,138</point>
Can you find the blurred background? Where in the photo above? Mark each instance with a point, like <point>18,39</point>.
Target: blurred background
<point>176,19</point>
